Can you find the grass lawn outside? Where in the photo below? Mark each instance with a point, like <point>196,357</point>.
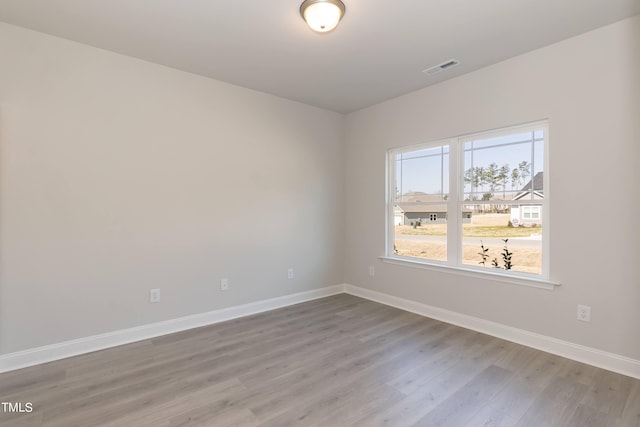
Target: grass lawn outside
<point>524,259</point>
<point>483,225</point>
<point>470,230</point>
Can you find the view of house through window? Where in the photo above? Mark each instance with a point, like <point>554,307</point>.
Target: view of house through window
<point>491,217</point>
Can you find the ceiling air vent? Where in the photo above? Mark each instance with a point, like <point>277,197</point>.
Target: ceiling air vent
<point>441,67</point>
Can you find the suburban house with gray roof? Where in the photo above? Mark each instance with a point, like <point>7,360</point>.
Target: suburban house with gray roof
<point>528,213</point>
<point>410,213</point>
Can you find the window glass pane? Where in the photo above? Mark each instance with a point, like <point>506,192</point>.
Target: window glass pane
<point>507,167</point>
<point>420,216</point>
<point>422,175</point>
<point>485,232</point>
<point>421,231</point>
<point>496,172</point>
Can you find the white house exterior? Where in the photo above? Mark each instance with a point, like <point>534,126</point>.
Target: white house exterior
<point>529,213</point>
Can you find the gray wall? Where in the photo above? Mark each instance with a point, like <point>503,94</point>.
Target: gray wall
<point>118,176</point>
<point>588,87</point>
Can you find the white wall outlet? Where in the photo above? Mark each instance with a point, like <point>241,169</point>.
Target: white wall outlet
<point>224,284</point>
<point>584,313</point>
<point>154,295</point>
<point>290,273</point>
<point>372,271</point>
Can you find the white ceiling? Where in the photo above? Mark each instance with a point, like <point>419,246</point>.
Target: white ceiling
<point>377,52</point>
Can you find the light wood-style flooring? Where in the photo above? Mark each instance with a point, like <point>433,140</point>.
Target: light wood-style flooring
<point>336,361</point>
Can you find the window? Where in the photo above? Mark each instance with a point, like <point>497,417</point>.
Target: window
<point>421,185</point>
<point>531,212</point>
<point>484,196</point>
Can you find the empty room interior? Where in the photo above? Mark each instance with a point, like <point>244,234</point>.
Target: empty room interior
<point>319,213</point>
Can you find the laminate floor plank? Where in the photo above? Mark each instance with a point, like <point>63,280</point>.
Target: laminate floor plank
<point>21,420</point>
<point>179,405</point>
<point>28,380</point>
<point>445,352</point>
<point>461,406</point>
<point>543,369</point>
<point>515,399</point>
<point>343,367</point>
<point>556,404</point>
<point>209,416</point>
<point>631,413</point>
<point>367,384</point>
<point>338,403</point>
<point>433,389</point>
<point>579,372</point>
<point>338,361</point>
<point>517,358</point>
<point>490,416</point>
<point>609,393</point>
<point>533,372</point>
<point>586,416</point>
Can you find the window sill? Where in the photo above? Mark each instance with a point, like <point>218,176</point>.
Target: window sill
<point>470,272</point>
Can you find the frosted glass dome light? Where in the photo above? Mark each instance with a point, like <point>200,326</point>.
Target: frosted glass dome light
<point>322,15</point>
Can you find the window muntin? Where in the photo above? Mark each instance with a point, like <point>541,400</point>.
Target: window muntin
<point>497,193</point>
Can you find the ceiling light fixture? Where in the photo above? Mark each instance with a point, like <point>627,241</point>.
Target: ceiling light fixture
<point>322,15</point>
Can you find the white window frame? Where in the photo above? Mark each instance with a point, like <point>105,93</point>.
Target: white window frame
<point>455,210</point>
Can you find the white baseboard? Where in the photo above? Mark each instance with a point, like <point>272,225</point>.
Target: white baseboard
<point>601,359</point>
<point>49,353</point>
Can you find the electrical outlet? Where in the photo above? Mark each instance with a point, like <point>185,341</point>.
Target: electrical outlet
<point>584,313</point>
<point>224,284</point>
<point>154,295</point>
<point>372,271</point>
<point>290,273</point>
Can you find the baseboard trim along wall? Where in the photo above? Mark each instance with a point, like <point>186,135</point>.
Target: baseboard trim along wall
<point>49,353</point>
<point>591,356</point>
